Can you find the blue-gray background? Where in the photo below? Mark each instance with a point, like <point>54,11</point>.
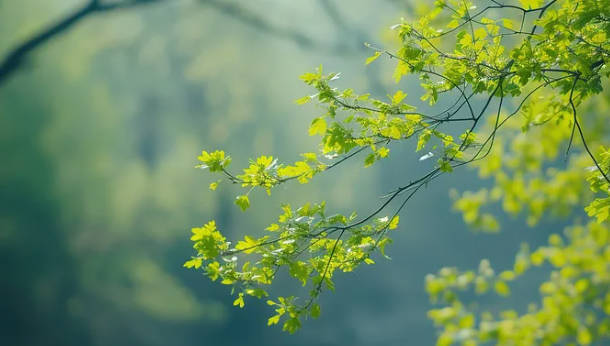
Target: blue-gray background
<point>99,132</point>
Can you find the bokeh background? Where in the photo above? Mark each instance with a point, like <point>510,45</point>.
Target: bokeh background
<point>100,128</point>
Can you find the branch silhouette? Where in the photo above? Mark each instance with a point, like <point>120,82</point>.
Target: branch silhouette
<point>19,55</point>
<point>15,58</point>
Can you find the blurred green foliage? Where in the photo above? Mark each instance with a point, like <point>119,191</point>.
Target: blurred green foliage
<point>97,133</point>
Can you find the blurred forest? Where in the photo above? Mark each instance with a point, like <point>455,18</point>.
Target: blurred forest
<point>100,126</point>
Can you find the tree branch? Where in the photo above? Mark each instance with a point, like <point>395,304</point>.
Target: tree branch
<point>15,58</point>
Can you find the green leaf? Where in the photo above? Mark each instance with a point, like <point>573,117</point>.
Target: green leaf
<point>193,263</point>
<point>300,270</point>
<point>382,244</point>
<point>383,152</point>
<point>369,160</point>
<point>208,240</point>
<point>215,161</point>
<point>401,69</point>
<point>600,209</point>
<point>239,301</point>
<point>398,97</point>
<point>445,166</point>
<point>303,100</point>
<point>509,24</point>
<point>292,325</point>
<point>273,320</point>
<point>502,288</point>
<point>273,227</point>
<point>315,310</point>
<point>394,222</point>
<point>480,34</point>
<point>256,292</point>
<point>214,185</point>
<point>248,244</point>
<point>372,58</point>
<point>391,132</point>
<point>531,4</point>
<point>243,202</point>
<point>423,139</point>
<point>318,125</point>
<point>213,270</point>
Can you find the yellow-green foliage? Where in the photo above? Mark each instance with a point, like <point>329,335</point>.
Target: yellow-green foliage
<point>532,66</point>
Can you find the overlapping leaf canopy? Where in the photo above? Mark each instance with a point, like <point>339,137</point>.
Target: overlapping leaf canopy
<point>517,77</point>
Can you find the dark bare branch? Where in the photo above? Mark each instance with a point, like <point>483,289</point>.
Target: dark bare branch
<point>15,58</point>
